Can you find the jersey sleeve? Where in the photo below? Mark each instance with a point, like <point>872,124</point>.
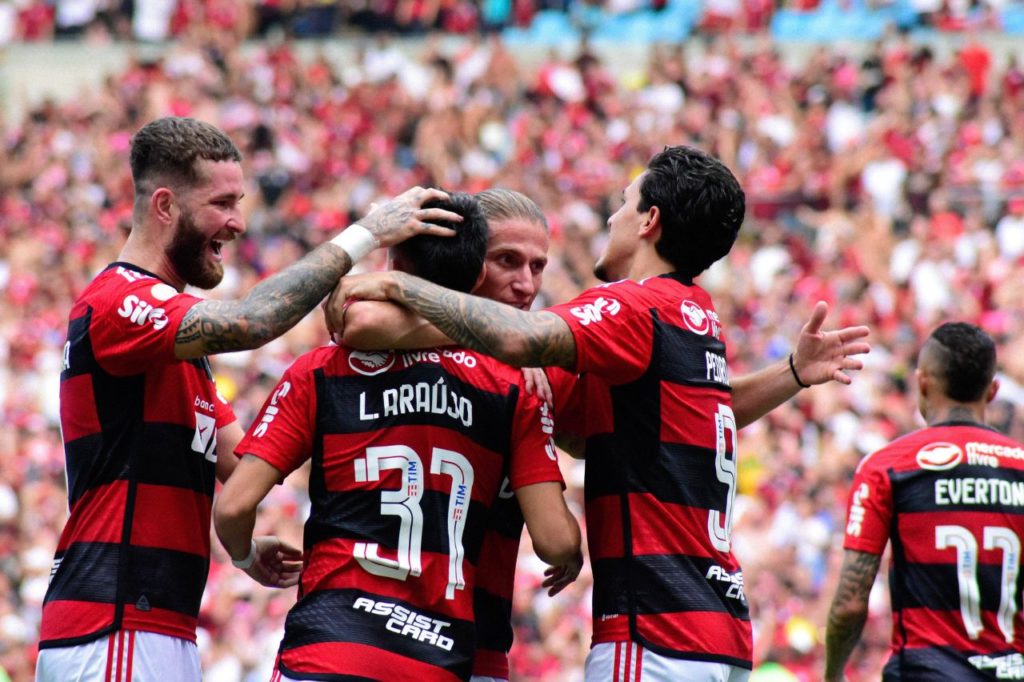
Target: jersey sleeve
<point>135,324</point>
<point>282,433</point>
<point>613,332</point>
<point>534,459</point>
<point>869,508</point>
<point>586,408</point>
<point>223,413</point>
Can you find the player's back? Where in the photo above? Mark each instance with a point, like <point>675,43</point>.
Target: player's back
<point>957,496</point>
<point>409,453</point>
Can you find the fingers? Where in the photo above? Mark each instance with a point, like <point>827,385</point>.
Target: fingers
<point>422,195</point>
<point>861,348</point>
<point>286,552</point>
<point>851,333</point>
<point>437,230</point>
<point>818,315</point>
<point>438,214</point>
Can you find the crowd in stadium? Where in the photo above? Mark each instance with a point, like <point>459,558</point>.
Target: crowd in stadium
<point>890,185</point>
<point>159,20</point>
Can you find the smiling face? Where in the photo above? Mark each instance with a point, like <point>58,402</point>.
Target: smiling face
<point>517,252</point>
<point>209,216</point>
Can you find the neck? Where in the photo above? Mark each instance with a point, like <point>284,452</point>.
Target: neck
<point>957,412</point>
<point>647,263</point>
<point>151,257</point>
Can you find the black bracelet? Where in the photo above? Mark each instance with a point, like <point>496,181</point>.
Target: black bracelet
<point>792,368</point>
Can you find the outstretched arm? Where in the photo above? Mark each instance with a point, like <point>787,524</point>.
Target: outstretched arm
<point>819,357</point>
<point>849,611</point>
<point>521,339</point>
<point>275,305</point>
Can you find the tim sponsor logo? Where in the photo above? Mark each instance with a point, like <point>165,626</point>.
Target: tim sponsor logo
<point>939,456</point>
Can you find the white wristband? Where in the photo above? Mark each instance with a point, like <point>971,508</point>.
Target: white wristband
<point>357,241</point>
<point>246,563</point>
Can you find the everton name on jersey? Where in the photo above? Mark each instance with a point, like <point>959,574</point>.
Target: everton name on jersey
<point>951,499</point>
<point>409,452</point>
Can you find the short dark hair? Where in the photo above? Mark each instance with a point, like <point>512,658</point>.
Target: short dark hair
<point>166,150</point>
<point>965,359</point>
<point>452,262</point>
<point>701,205</point>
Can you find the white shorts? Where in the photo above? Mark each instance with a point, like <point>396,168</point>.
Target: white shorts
<point>630,662</point>
<point>481,678</point>
<point>125,656</point>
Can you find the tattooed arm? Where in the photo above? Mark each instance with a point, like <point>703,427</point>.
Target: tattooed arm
<point>849,610</point>
<point>275,305</point>
<point>520,339</point>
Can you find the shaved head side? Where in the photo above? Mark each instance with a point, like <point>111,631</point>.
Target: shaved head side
<point>962,358</point>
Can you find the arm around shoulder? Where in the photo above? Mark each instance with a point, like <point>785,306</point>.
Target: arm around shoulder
<point>376,325</point>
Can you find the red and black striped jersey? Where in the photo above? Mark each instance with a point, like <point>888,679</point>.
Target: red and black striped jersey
<point>661,474</point>
<point>409,451</point>
<point>497,568</point>
<point>951,499</point>
<point>139,429</point>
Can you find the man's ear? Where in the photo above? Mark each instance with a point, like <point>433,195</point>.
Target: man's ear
<point>480,278</point>
<point>923,382</point>
<point>993,389</point>
<point>163,205</point>
<point>650,225</point>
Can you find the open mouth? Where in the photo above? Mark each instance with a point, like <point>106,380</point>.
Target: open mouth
<point>216,247</point>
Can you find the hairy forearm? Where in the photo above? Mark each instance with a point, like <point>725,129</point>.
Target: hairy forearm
<point>849,611</point>
<point>515,337</point>
<point>271,308</point>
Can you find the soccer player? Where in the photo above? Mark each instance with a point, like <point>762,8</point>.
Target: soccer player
<point>668,593</point>
<point>144,429</point>
<point>949,498</point>
<point>517,247</point>
<point>426,436</point>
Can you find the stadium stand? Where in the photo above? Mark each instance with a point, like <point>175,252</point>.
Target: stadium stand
<point>887,181</point>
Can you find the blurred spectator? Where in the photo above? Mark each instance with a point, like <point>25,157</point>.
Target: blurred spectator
<point>883,185</point>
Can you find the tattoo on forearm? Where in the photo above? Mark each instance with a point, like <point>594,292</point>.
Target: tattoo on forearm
<point>523,339</point>
<point>271,307</point>
<point>849,609</point>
